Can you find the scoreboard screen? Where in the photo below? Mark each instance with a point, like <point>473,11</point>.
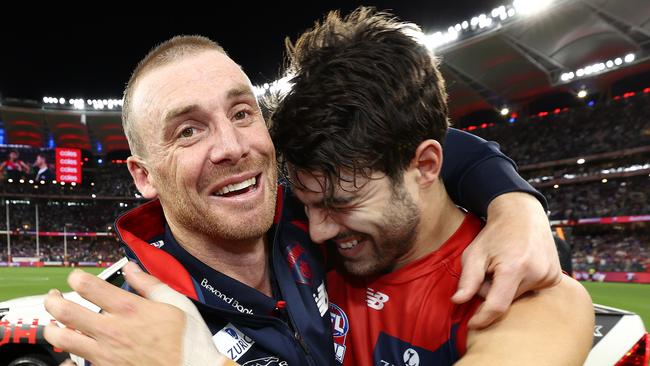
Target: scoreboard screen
<point>68,165</point>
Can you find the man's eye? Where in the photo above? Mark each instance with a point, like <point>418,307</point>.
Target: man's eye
<point>187,132</point>
<point>241,115</point>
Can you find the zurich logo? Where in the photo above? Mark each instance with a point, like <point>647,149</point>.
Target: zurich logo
<point>231,332</point>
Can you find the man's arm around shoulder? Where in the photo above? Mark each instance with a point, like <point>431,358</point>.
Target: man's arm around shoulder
<point>553,326</point>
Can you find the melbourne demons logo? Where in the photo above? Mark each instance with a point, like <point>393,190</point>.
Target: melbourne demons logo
<point>298,264</point>
<point>340,327</point>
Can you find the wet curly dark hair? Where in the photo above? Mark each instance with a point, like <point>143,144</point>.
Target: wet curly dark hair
<point>365,94</point>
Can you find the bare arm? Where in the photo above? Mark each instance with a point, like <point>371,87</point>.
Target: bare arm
<point>553,326</point>
<point>515,249</point>
<point>24,166</point>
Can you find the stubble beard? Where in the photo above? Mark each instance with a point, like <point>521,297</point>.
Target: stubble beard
<point>398,232</point>
<point>198,218</point>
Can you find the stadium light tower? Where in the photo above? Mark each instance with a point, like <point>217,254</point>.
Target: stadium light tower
<point>8,236</point>
<point>65,240</point>
<point>38,247</point>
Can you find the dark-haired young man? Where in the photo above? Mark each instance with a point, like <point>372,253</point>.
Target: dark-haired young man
<point>360,137</point>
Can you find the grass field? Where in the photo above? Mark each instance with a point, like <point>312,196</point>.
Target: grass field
<point>16,282</point>
<point>627,296</point>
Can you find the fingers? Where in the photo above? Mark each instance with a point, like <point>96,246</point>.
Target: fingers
<point>140,281</point>
<point>501,294</point>
<point>151,288</point>
<point>485,288</point>
<point>71,341</point>
<point>472,275</point>
<point>101,293</point>
<point>73,315</point>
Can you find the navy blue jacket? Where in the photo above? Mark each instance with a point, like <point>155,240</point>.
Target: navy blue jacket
<point>296,332</point>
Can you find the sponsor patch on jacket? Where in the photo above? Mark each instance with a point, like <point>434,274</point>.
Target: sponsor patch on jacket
<point>232,342</point>
<point>340,327</point>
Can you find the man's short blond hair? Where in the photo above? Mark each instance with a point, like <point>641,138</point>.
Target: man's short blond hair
<point>163,54</point>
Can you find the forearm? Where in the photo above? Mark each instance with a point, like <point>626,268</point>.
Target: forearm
<point>553,326</point>
<point>511,205</point>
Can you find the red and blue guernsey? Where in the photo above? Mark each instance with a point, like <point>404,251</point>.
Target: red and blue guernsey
<point>405,317</point>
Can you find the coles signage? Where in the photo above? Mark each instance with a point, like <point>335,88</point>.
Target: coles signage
<point>68,165</point>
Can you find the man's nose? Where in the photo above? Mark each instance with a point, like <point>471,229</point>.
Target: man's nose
<point>230,145</point>
<point>321,226</point>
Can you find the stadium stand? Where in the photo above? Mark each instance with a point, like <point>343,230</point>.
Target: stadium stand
<point>590,157</point>
<point>607,127</point>
<point>611,183</point>
<point>593,165</point>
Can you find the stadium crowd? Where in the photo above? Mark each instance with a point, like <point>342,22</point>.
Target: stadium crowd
<point>605,127</point>
<point>622,251</point>
<point>75,215</point>
<point>620,197</point>
<point>561,134</point>
<point>81,249</point>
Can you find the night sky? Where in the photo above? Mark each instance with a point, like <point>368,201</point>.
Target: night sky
<point>92,55</point>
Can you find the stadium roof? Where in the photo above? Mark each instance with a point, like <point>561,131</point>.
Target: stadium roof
<point>512,60</point>
<point>528,56</point>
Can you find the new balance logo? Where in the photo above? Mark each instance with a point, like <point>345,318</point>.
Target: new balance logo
<point>376,299</point>
<point>158,244</point>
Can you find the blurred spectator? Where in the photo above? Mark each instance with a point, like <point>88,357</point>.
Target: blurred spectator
<point>42,171</point>
<point>620,197</point>
<point>13,167</point>
<point>612,249</point>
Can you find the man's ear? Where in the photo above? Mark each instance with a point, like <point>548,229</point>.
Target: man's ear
<point>428,162</point>
<point>141,177</point>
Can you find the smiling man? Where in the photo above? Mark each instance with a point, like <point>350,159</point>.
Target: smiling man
<point>221,231</point>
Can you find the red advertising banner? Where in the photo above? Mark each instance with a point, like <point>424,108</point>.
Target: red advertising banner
<point>68,165</point>
<point>602,220</point>
<point>69,233</point>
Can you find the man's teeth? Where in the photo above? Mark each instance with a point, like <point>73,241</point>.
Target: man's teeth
<point>348,244</point>
<point>236,186</point>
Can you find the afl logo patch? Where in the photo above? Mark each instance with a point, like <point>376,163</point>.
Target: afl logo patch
<point>340,324</point>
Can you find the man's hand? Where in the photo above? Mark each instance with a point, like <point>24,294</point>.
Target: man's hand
<point>130,330</point>
<point>517,252</point>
